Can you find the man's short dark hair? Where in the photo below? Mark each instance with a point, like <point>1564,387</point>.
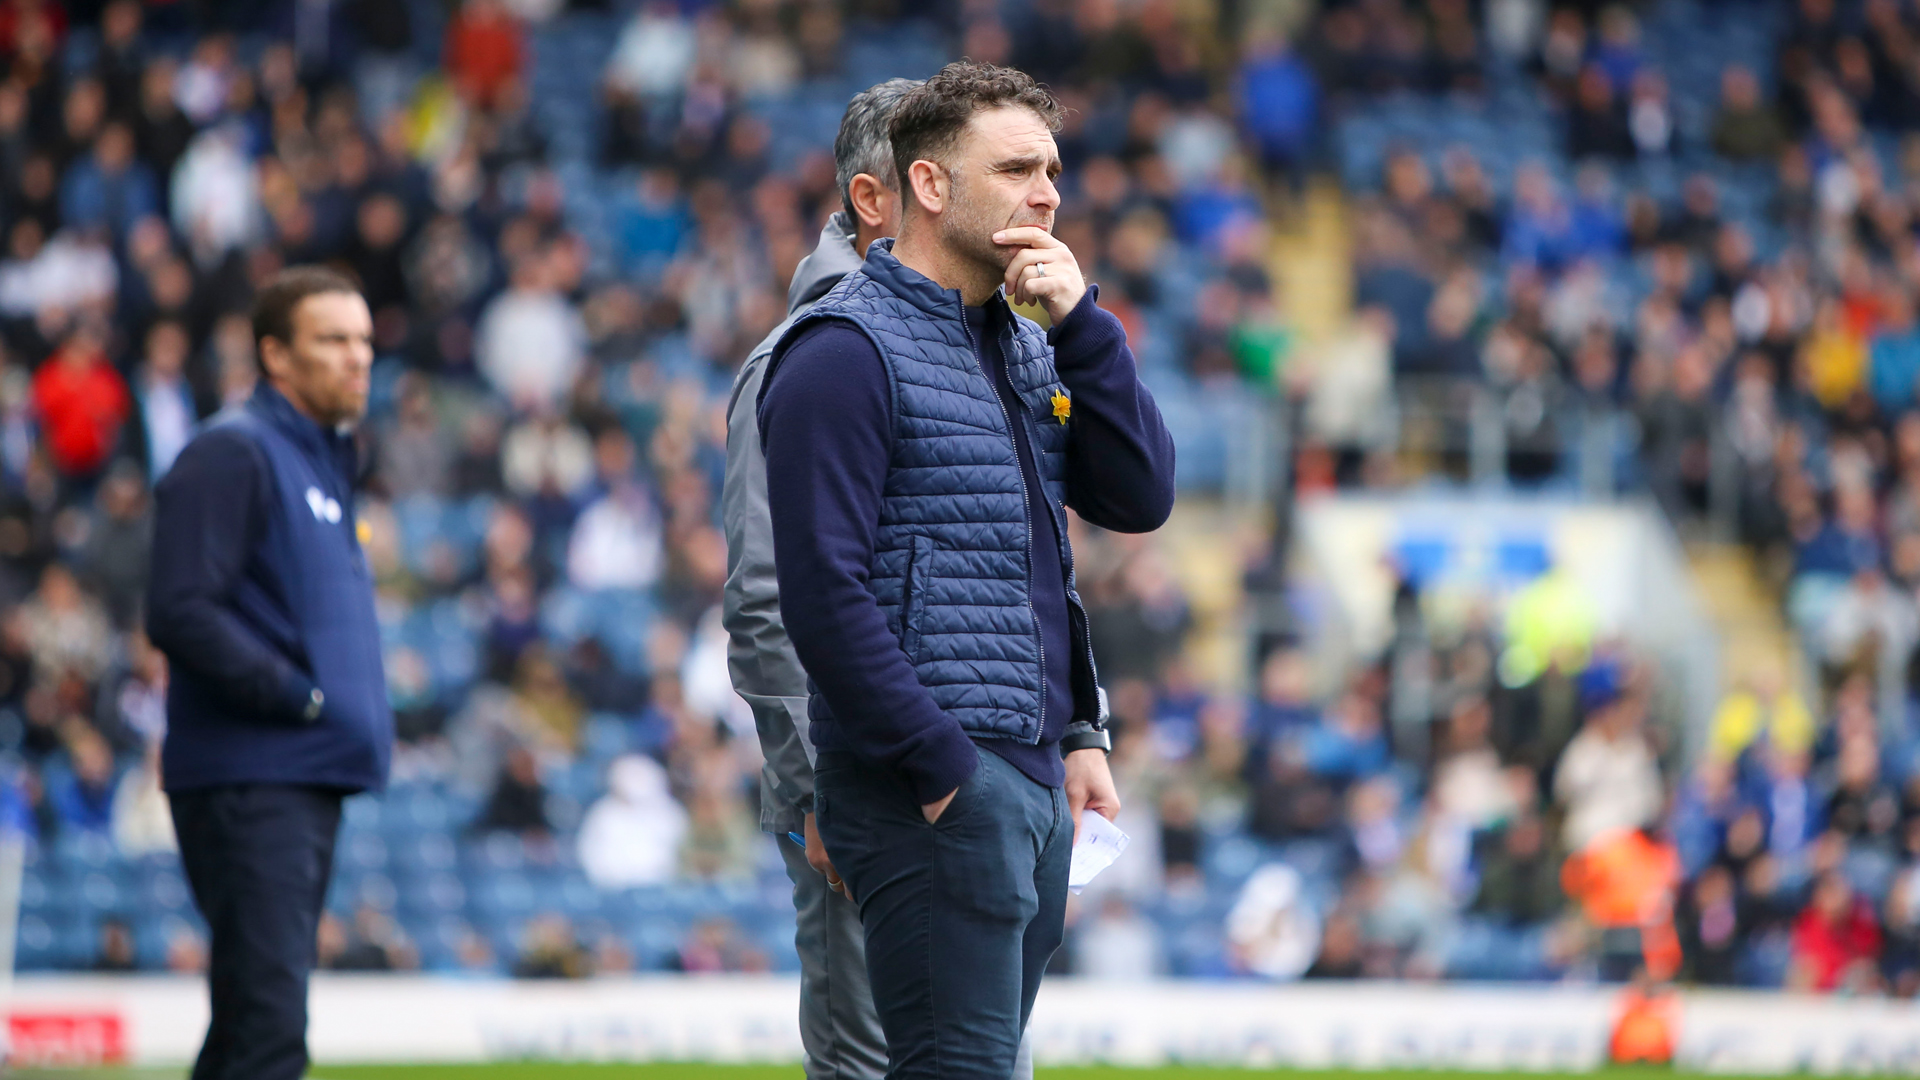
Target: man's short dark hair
<point>862,145</point>
<point>929,119</point>
<point>274,305</point>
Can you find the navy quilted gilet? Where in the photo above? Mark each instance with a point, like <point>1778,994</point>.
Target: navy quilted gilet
<point>951,562</point>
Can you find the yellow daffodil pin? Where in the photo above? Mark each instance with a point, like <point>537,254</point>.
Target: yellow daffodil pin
<point>1062,406</point>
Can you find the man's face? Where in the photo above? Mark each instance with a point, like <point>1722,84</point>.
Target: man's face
<point>1001,176</point>
<point>325,370</point>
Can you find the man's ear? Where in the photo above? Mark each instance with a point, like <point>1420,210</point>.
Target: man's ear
<point>273,356</point>
<point>869,198</point>
<point>927,185</point>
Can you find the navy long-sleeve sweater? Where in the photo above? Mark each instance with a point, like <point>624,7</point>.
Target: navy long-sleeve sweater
<point>827,428</point>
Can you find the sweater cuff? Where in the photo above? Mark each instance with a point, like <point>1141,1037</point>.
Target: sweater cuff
<point>938,768</point>
<point>1086,334</point>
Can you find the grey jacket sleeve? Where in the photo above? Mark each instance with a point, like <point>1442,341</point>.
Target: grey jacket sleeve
<point>766,673</point>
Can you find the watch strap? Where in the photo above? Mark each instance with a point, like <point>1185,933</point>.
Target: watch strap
<point>1082,735</point>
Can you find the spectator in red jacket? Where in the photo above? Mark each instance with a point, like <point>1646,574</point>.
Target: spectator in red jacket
<point>485,51</point>
<point>1836,940</point>
<point>43,19</point>
<point>82,403</point>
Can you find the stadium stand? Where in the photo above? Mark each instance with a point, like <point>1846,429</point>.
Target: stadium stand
<point>1596,251</point>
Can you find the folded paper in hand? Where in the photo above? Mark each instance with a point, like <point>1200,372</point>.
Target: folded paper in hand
<point>1099,843</point>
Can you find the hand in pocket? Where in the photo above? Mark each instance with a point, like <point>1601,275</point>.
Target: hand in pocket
<point>933,810</point>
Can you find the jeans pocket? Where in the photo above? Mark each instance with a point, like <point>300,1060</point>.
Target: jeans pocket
<point>971,792</point>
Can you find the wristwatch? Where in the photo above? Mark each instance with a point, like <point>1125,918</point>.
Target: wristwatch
<point>1083,735</point>
<point>315,702</point>
<point>1093,734</point>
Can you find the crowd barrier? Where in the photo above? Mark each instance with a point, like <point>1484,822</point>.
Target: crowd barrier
<point>158,1020</point>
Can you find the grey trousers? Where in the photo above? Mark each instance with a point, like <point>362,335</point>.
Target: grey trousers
<point>838,1024</point>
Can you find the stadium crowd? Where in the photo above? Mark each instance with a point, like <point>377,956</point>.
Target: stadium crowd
<point>1685,264</point>
<point>572,225</point>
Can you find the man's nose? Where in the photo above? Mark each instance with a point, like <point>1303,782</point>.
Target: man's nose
<point>1045,194</point>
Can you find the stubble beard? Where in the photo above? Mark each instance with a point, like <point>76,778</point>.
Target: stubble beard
<point>968,233</point>
<point>968,226</point>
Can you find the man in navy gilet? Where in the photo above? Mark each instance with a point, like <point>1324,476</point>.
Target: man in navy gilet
<point>923,443</point>
<point>261,599</point>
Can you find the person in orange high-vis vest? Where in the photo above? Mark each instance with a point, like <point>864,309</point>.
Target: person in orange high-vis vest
<point>1624,881</point>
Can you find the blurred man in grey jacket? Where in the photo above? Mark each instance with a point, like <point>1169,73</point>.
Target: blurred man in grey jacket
<point>838,1024</point>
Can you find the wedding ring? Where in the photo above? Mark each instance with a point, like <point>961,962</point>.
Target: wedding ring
<point>1039,269</point>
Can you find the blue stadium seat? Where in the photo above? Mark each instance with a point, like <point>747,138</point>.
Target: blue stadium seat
<point>655,941</point>
<point>606,737</point>
<point>153,929</point>
<point>416,808</point>
<point>103,892</point>
<point>1198,950</point>
<point>77,851</point>
<point>165,889</point>
<point>352,889</point>
<point>492,852</point>
<point>364,811</point>
<point>38,944</point>
<point>435,895</point>
<point>423,853</point>
<point>1229,862</point>
<point>361,851</point>
<point>505,894</point>
<point>1485,950</point>
<point>41,891</point>
<point>579,899</point>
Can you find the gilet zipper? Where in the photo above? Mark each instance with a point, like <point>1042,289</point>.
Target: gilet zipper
<point>1026,502</point>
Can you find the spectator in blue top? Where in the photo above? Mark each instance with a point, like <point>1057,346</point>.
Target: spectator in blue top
<point>650,225</point>
<point>1597,228</point>
<point>1349,743</point>
<point>1285,704</point>
<point>1279,103</point>
<point>1846,542</point>
<point>1207,211</point>
<point>1619,52</point>
<point>84,799</point>
<point>1894,353</point>
<point>109,187</point>
<point>1539,230</point>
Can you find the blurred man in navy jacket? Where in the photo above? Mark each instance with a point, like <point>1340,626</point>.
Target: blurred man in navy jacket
<point>261,598</point>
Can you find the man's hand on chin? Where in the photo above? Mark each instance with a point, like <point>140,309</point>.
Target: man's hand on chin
<point>1090,786</point>
<point>1044,271</point>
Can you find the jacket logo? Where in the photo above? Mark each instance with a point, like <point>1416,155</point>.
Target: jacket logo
<point>1062,406</point>
<point>324,509</point>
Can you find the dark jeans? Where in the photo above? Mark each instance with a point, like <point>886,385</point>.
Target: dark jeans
<point>258,857</point>
<point>960,916</point>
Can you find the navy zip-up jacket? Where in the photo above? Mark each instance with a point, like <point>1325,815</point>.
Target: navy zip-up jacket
<point>827,427</point>
<point>260,593</point>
